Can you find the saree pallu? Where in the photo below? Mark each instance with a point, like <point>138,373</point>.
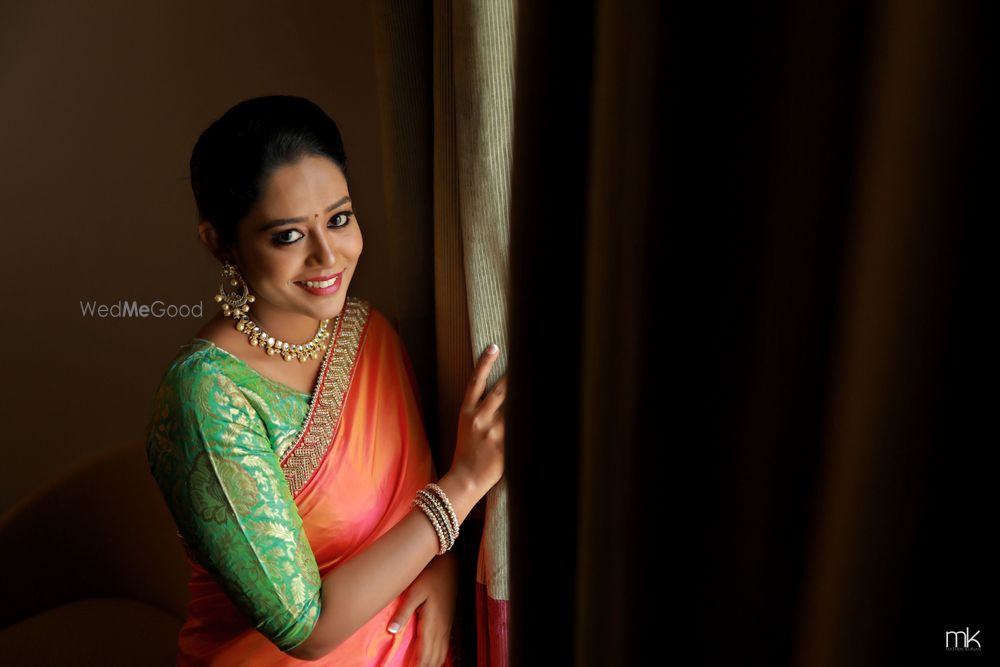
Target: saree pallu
<point>272,488</point>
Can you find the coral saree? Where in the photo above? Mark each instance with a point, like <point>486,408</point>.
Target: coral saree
<point>271,488</point>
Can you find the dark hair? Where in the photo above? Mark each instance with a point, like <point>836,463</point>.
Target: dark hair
<point>235,156</point>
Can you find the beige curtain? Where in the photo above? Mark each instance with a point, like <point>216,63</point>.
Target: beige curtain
<point>473,65</point>
<point>446,94</point>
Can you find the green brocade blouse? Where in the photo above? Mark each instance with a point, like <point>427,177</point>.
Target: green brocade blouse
<point>211,445</point>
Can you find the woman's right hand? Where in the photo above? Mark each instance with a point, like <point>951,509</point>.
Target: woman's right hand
<point>479,444</point>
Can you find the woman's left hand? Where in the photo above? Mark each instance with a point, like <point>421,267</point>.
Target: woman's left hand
<point>432,595</point>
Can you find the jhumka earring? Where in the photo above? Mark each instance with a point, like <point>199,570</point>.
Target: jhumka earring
<point>235,298</point>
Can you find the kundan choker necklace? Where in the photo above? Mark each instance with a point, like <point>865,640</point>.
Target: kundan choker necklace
<point>235,298</point>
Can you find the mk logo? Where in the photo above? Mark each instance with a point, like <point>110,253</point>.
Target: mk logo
<point>967,639</point>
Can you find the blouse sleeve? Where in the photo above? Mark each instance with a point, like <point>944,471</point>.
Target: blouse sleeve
<point>210,455</point>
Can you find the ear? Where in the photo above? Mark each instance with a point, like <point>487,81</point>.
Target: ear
<point>210,238</point>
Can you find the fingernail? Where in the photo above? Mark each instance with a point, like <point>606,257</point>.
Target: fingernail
<point>394,628</point>
<point>492,349</point>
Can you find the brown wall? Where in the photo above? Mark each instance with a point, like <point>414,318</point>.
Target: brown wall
<point>100,105</point>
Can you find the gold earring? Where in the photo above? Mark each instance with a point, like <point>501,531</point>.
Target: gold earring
<point>234,294</point>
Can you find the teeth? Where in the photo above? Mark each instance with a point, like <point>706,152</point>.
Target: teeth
<point>321,284</point>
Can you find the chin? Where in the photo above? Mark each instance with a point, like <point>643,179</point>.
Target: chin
<point>330,311</point>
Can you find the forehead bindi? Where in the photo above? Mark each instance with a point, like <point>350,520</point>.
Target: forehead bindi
<point>303,190</point>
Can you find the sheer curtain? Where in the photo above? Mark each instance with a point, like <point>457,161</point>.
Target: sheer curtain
<point>446,93</point>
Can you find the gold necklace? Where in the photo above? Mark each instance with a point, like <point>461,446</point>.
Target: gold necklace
<point>288,351</point>
<point>236,304</point>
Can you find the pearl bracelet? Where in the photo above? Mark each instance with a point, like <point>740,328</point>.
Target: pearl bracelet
<point>444,540</point>
<point>440,513</point>
<point>431,501</point>
<point>447,505</point>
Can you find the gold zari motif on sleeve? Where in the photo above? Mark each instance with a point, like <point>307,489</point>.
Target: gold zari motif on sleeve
<point>230,450</point>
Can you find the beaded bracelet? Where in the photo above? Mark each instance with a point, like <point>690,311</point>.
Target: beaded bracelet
<point>444,540</point>
<point>447,504</point>
<point>441,514</point>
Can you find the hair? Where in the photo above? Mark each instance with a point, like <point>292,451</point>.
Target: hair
<point>236,155</point>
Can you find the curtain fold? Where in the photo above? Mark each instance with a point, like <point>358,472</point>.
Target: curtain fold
<point>737,410</point>
<point>454,59</point>
<point>404,67</point>
<point>614,301</point>
<point>477,40</point>
<point>743,302</point>
<point>886,416</point>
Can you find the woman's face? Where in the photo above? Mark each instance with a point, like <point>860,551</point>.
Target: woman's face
<point>301,229</point>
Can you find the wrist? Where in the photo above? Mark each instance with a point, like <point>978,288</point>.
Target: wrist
<point>463,478</point>
<point>462,490</point>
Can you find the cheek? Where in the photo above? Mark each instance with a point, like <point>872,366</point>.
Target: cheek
<point>268,268</point>
<point>359,243</point>
<point>271,265</point>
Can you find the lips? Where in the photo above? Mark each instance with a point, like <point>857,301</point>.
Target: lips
<point>321,282</point>
<point>322,285</point>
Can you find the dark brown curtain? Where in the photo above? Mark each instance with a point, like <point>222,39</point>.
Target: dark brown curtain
<point>747,350</point>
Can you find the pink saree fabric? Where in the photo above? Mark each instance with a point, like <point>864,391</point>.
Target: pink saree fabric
<point>361,487</point>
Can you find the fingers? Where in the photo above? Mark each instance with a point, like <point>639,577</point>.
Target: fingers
<point>397,624</point>
<point>478,382</point>
<point>494,399</point>
<point>433,647</point>
<point>436,657</point>
<point>433,640</point>
<point>404,612</point>
<point>425,639</point>
<point>496,432</point>
<point>432,650</point>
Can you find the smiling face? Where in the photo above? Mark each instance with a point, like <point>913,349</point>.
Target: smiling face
<point>301,229</point>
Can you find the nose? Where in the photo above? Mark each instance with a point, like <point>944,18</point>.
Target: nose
<point>321,249</point>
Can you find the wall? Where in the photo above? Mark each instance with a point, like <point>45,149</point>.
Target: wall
<point>101,105</point>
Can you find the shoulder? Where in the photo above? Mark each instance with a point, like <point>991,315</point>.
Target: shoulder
<point>383,331</point>
<point>197,364</point>
<point>360,309</point>
<point>361,314</point>
<point>197,407</point>
<point>376,318</point>
<point>199,382</point>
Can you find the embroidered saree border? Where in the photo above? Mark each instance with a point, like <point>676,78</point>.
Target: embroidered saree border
<point>301,459</point>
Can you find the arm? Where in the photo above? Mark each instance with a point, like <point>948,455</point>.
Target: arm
<point>224,486</point>
<point>210,455</point>
<point>359,588</point>
<point>356,590</point>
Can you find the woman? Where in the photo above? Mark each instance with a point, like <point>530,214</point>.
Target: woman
<point>286,436</point>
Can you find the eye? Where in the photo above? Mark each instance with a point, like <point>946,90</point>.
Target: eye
<point>281,239</point>
<point>338,221</point>
<point>345,216</point>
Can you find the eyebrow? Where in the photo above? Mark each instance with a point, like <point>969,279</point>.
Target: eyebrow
<point>287,221</point>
